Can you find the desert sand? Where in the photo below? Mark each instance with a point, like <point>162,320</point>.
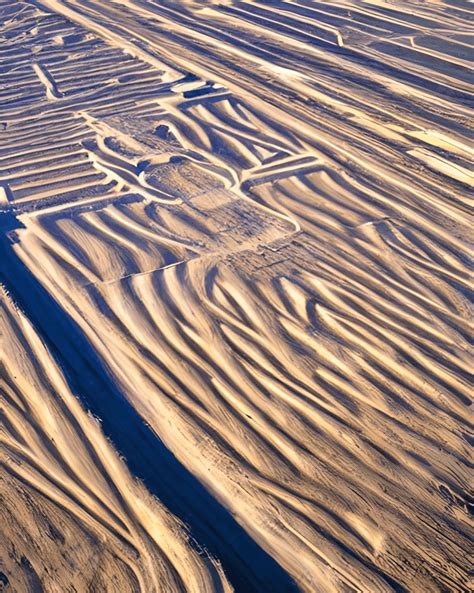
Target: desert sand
<point>235,284</point>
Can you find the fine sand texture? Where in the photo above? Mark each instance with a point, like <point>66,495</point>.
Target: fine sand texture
<point>235,281</point>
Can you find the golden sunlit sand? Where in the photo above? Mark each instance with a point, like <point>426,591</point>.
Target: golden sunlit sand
<point>234,310</point>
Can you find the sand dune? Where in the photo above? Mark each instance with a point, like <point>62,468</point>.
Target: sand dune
<point>237,233</point>
<point>85,523</point>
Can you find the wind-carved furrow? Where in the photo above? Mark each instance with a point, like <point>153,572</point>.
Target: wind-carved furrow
<point>237,231</point>
<point>48,81</point>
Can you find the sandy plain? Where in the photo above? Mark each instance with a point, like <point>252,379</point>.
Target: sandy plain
<point>235,312</point>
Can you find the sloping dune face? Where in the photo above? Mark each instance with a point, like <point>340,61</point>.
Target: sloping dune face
<point>72,517</point>
<point>235,314</point>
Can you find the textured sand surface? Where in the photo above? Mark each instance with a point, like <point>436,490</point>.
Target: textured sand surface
<point>235,312</point>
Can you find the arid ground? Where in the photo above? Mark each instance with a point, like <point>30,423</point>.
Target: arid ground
<point>234,296</point>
